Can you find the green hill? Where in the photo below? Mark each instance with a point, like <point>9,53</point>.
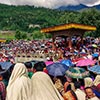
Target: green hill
<point>20,17</point>
<point>28,18</point>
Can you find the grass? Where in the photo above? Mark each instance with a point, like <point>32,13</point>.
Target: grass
<point>7,36</point>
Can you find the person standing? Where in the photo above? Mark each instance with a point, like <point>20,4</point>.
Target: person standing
<point>19,86</point>
<point>43,88</point>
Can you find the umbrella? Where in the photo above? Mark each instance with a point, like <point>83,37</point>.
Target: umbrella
<point>95,69</point>
<point>76,72</point>
<point>67,62</point>
<point>76,60</point>
<point>48,62</point>
<point>85,62</point>
<point>5,65</point>
<point>57,69</point>
<point>95,55</point>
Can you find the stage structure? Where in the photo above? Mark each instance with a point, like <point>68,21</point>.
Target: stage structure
<point>68,30</point>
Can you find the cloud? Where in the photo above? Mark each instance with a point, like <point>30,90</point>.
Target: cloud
<point>5,1</point>
<point>50,3</point>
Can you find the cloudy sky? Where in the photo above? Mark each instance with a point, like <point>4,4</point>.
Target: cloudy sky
<point>50,3</point>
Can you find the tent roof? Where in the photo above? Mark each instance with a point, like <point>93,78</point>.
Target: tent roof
<point>68,26</point>
<point>2,40</point>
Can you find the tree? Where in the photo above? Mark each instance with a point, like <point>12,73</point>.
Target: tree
<point>18,35</point>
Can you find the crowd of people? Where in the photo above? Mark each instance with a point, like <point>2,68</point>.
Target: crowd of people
<point>31,80</point>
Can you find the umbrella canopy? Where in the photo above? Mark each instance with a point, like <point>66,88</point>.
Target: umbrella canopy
<point>95,69</point>
<point>95,55</point>
<point>77,59</point>
<point>75,72</point>
<point>85,62</point>
<point>5,65</point>
<point>49,63</point>
<point>67,62</point>
<point>57,69</point>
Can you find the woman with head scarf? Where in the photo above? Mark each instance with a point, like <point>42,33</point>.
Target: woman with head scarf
<point>88,82</point>
<point>97,80</point>
<point>44,88</point>
<point>19,86</point>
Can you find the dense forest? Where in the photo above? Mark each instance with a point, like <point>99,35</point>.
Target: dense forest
<point>31,19</point>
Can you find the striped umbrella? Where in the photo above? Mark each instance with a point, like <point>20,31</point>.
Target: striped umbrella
<point>76,72</point>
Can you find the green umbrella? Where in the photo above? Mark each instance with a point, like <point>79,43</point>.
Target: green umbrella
<point>76,72</point>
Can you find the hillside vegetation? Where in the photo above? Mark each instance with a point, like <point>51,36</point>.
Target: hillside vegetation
<point>29,19</point>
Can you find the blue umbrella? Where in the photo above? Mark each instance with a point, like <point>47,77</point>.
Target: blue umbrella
<point>57,69</point>
<point>95,69</point>
<point>5,65</point>
<point>95,55</point>
<point>67,62</point>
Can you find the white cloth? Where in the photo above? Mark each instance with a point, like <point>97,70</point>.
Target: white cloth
<point>19,87</point>
<point>97,80</point>
<point>80,94</point>
<point>44,88</point>
<point>88,82</point>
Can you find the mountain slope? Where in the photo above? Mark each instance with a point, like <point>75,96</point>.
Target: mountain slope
<point>77,7</point>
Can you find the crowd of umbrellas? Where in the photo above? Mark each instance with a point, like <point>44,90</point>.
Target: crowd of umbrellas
<point>74,71</point>
<point>75,68</point>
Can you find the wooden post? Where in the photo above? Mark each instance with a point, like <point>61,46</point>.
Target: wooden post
<point>53,40</point>
<point>70,43</point>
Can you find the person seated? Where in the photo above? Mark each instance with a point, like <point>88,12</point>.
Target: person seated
<point>90,95</point>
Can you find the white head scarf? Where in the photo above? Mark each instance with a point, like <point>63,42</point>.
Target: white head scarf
<point>88,82</point>
<point>19,87</point>
<point>44,88</point>
<point>97,80</point>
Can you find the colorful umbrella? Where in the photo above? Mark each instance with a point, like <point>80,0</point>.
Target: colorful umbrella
<point>95,69</point>
<point>76,72</point>
<point>95,55</point>
<point>49,63</point>
<point>85,62</point>
<point>67,62</point>
<point>76,60</point>
<point>57,69</point>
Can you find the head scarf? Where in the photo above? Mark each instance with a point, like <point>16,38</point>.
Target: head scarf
<point>88,82</point>
<point>44,88</point>
<point>19,86</point>
<point>97,80</point>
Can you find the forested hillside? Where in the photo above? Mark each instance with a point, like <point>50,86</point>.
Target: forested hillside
<point>28,18</point>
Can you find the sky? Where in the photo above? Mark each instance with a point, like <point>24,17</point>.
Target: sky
<point>50,3</point>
